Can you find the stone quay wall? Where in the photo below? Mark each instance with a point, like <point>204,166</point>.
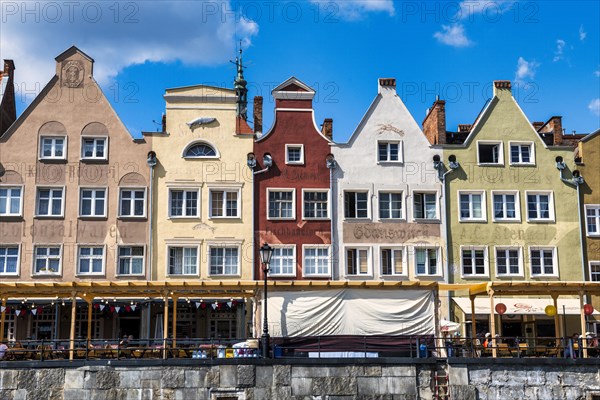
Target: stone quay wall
<point>297,380</point>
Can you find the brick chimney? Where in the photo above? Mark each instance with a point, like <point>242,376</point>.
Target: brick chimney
<point>434,124</point>
<point>327,128</point>
<point>464,127</point>
<point>537,125</point>
<point>554,126</point>
<point>258,109</point>
<point>8,108</point>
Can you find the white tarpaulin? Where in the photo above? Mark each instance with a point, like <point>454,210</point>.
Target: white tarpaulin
<point>351,312</point>
<point>519,305</point>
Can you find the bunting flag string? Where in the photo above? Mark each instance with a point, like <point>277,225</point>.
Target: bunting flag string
<point>2,308</point>
<point>34,311</point>
<point>133,307</point>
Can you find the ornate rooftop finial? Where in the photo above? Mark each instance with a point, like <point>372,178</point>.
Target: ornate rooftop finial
<point>239,85</point>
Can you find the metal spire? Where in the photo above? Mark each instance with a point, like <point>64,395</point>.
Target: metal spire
<point>239,85</point>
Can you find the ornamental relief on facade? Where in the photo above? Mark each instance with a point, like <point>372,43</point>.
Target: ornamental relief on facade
<point>72,74</point>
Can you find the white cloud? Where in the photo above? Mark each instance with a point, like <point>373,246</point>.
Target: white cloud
<point>582,33</point>
<point>118,35</point>
<point>559,52</point>
<point>525,70</point>
<point>597,72</point>
<point>594,106</point>
<point>453,35</point>
<point>353,10</point>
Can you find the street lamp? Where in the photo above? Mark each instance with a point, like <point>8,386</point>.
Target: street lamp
<point>266,252</point>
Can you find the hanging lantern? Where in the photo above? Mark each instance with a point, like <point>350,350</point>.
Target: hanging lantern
<point>500,308</point>
<point>550,310</point>
<point>588,309</point>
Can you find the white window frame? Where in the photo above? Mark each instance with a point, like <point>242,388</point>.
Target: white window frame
<point>550,205</point>
<point>311,190</point>
<point>404,251</point>
<point>517,205</point>
<point>294,255</point>
<point>592,263</point>
<point>519,250</point>
<point>437,205</point>
<point>53,138</point>
<point>45,273</point>
<point>118,259</point>
<point>596,208</point>
<point>94,138</point>
<point>368,193</point>
<point>184,208</point>
<point>81,189</point>
<point>200,142</point>
<point>223,205</point>
<point>18,270</point>
<point>132,201</point>
<point>289,190</point>
<point>402,206</point>
<point>369,261</point>
<point>182,246</point>
<point>37,202</point>
<point>400,144</point>
<point>486,262</point>
<point>211,246</point>
<point>470,218</point>
<point>78,271</point>
<point>554,262</point>
<point>329,260</point>
<point>531,153</point>
<point>438,265</point>
<point>21,196</point>
<point>500,153</point>
<point>287,160</point>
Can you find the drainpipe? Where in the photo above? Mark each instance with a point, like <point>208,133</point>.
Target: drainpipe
<point>331,165</point>
<point>438,165</point>
<point>151,161</point>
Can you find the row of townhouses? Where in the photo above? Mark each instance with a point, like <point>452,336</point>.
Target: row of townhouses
<point>82,202</point>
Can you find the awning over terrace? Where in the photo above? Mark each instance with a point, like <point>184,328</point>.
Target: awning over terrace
<point>520,305</point>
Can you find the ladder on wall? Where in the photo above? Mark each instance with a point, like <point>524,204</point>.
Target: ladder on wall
<point>441,389</point>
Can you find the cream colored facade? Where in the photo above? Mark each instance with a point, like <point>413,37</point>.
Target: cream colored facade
<point>202,188</point>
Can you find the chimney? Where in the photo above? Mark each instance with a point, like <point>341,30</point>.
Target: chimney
<point>327,128</point>
<point>537,125</point>
<point>388,83</point>
<point>501,87</point>
<point>464,127</point>
<point>8,107</point>
<point>434,124</point>
<point>258,108</point>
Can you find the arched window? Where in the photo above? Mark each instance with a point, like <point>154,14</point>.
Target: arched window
<point>200,150</point>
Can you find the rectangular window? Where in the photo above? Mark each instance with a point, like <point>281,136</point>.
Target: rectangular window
<point>426,261</point>
<point>294,154</point>
<point>183,203</point>
<point>47,260</point>
<point>390,205</point>
<point>133,203</point>
<point>224,203</point>
<point>508,261</point>
<point>223,260</point>
<point>506,206</point>
<point>357,261</point>
<point>93,203</point>
<point>10,201</point>
<point>474,262</point>
<point>316,204</point>
<point>540,207</point>
<point>131,260</point>
<point>542,262</point>
<point>9,260</point>
<point>53,148</point>
<point>90,260</point>
<point>283,261</point>
<point>592,218</point>
<point>49,202</point>
<point>392,262</point>
<point>490,153</point>
<point>595,271</point>
<point>356,205</point>
<point>472,206</point>
<point>316,261</point>
<point>281,204</point>
<point>93,149</point>
<point>425,206</point>
<point>521,153</point>
<point>389,152</point>
<point>183,261</point>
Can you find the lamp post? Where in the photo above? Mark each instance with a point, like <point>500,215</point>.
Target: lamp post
<point>266,252</point>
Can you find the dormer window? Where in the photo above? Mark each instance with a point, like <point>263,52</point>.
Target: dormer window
<point>200,150</point>
<point>294,154</point>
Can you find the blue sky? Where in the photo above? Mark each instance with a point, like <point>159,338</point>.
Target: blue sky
<point>550,50</point>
